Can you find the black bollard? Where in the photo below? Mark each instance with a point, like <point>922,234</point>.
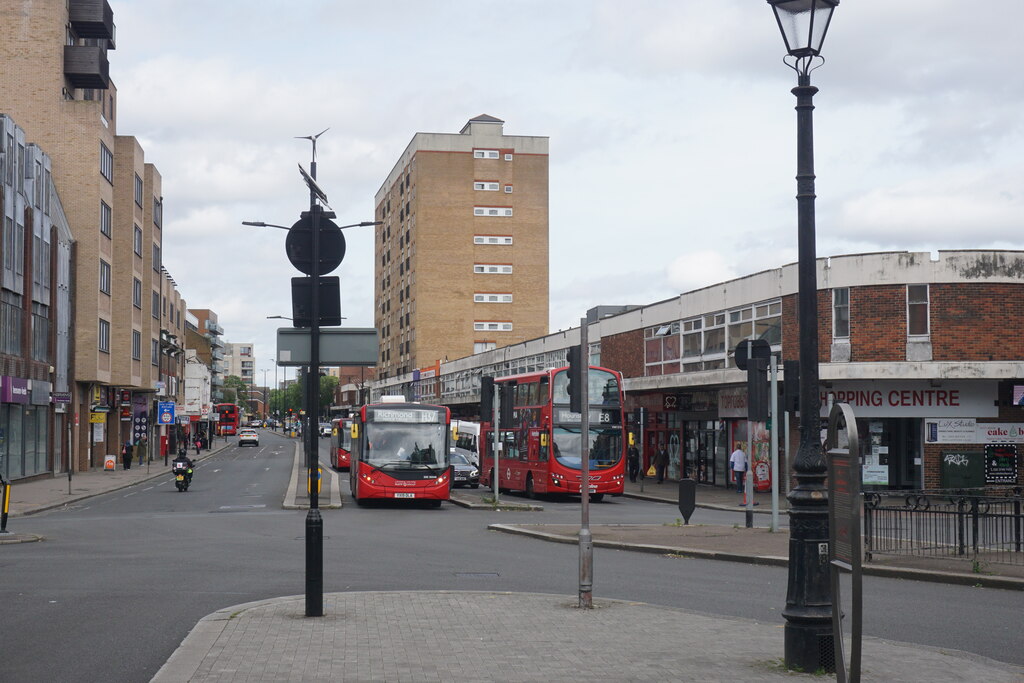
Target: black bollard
<point>687,498</point>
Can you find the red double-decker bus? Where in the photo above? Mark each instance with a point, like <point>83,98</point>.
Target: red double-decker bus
<point>228,423</point>
<point>341,442</point>
<point>541,448</point>
<point>400,451</point>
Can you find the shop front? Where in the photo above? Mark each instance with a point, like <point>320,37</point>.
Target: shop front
<point>24,427</point>
<point>891,424</point>
<point>686,424</point>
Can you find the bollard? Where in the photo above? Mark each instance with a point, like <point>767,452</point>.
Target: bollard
<point>687,498</point>
<point>6,494</point>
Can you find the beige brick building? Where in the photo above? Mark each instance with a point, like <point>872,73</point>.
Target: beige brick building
<point>54,79</point>
<point>461,256</point>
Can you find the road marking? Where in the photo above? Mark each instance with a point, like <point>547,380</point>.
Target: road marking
<point>146,489</point>
<point>130,494</point>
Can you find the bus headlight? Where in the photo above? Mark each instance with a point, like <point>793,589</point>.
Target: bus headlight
<point>442,479</point>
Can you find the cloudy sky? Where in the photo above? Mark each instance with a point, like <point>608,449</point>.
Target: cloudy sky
<point>671,125</point>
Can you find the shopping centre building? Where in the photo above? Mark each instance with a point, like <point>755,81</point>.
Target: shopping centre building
<point>925,347</point>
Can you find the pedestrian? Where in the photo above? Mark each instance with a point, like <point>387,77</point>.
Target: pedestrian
<point>142,446</point>
<point>198,444</point>
<point>738,460</point>
<point>633,460</point>
<point>126,455</point>
<point>661,463</point>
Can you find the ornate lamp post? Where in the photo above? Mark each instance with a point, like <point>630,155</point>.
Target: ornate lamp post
<point>808,612</point>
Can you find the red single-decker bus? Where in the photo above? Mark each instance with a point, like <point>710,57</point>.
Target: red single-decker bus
<point>400,451</point>
<point>540,450</point>
<point>341,442</point>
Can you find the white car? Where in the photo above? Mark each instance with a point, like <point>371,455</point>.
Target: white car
<point>248,436</point>
<point>325,429</point>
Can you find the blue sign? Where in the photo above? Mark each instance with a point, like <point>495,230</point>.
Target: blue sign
<point>165,413</point>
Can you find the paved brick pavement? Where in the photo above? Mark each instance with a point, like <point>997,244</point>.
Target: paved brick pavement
<point>475,636</point>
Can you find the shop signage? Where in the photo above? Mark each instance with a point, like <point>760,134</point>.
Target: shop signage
<point>914,398</point>
<point>950,430</point>
<point>1000,432</point>
<point>1001,464</point>
<point>13,389</point>
<point>60,397</point>
<point>969,430</point>
<point>97,418</point>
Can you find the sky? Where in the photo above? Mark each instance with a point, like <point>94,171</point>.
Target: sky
<point>671,123</point>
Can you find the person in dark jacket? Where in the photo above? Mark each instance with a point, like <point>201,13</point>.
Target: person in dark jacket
<point>633,461</point>
<point>126,455</point>
<point>661,463</point>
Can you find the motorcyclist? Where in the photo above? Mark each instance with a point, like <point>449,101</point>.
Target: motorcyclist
<point>182,461</point>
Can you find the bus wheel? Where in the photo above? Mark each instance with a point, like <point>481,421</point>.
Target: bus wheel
<point>530,493</point>
<point>361,502</point>
<point>596,497</point>
<point>435,503</point>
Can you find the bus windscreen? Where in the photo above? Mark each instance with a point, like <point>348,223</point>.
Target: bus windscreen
<point>406,445</point>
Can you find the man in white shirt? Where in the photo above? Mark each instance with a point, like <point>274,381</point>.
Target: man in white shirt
<point>738,460</point>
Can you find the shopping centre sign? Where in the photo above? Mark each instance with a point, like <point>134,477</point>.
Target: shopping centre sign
<point>914,398</point>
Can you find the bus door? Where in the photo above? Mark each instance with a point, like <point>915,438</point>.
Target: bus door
<point>537,460</point>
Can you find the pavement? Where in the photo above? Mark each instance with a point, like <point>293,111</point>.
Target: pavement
<point>410,636</point>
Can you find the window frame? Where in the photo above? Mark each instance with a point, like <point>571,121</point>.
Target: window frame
<point>927,311</point>
<point>840,306</point>
<point>103,336</point>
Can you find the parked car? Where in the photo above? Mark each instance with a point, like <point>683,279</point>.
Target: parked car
<point>466,473</point>
<point>325,429</point>
<point>248,436</point>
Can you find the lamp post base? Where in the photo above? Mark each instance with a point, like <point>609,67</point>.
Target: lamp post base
<point>810,648</point>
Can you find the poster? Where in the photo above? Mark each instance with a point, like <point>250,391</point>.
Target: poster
<point>1001,464</point>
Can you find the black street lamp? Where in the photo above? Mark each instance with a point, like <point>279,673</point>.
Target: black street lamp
<point>808,612</point>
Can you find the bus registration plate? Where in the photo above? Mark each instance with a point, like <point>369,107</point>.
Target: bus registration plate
<point>403,494</point>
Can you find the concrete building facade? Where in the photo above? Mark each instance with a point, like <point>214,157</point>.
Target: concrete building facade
<point>461,256</point>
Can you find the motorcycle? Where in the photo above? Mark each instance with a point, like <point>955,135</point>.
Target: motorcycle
<point>182,475</point>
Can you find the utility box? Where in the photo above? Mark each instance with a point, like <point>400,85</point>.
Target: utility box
<point>962,470</point>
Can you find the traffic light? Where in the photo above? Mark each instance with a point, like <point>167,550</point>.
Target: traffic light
<point>486,399</point>
<point>575,377</point>
<point>507,405</point>
<point>758,397</point>
<point>791,384</point>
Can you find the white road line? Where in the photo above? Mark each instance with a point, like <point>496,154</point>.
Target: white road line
<point>130,494</point>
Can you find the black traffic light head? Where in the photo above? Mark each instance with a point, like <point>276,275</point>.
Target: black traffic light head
<point>575,377</point>
<point>486,399</point>
<point>507,405</point>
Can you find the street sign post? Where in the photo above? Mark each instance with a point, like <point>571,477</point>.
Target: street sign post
<point>844,551</point>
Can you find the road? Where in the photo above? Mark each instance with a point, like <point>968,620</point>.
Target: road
<point>121,579</point>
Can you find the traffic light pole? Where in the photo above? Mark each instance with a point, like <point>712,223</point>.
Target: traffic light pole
<point>586,539</point>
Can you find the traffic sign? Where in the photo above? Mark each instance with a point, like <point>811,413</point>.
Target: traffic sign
<point>330,244</point>
<point>165,413</point>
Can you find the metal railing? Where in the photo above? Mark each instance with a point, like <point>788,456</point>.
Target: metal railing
<point>974,524</point>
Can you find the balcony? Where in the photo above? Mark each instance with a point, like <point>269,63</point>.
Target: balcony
<point>86,66</point>
<point>217,381</point>
<point>216,353</point>
<point>92,19</point>
<point>214,328</point>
